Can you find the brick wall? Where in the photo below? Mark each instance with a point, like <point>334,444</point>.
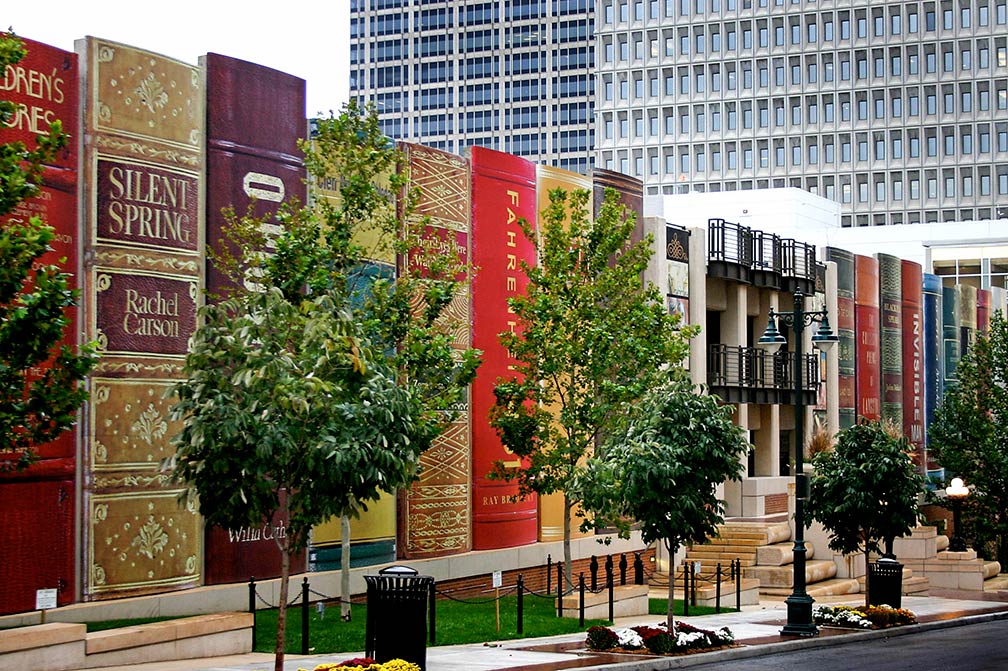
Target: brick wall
<point>775,503</point>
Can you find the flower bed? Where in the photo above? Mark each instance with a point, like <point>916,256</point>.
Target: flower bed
<point>367,664</point>
<point>657,640</point>
<point>862,617</point>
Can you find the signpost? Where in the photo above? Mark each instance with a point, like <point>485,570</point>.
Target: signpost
<point>45,599</point>
<point>497,582</point>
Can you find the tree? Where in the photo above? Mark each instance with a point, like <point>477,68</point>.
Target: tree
<point>40,389</point>
<point>662,471</point>
<point>969,432</point>
<point>590,340</point>
<point>318,390</point>
<point>864,491</point>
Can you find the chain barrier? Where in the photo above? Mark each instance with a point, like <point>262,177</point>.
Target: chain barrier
<point>477,601</point>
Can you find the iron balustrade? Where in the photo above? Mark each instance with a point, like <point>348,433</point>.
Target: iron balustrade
<point>755,368</point>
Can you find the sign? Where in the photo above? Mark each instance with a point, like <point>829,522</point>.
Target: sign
<point>45,599</point>
<point>497,579</point>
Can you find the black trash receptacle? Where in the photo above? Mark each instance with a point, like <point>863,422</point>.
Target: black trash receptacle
<point>885,583</point>
<point>398,601</point>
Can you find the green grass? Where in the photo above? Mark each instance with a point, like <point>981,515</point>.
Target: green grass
<point>660,607</point>
<point>456,623</point>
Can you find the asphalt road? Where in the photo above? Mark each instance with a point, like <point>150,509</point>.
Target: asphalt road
<point>975,647</point>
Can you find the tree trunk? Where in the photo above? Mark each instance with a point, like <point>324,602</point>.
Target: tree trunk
<point>671,588</point>
<point>345,568</point>
<point>568,569</point>
<point>285,556</point>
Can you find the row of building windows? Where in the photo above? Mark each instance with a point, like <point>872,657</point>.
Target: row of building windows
<point>878,21</point>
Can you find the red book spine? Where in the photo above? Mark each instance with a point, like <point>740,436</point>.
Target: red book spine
<point>504,190</point>
<point>866,325</point>
<point>983,310</point>
<point>37,504</point>
<point>254,118</point>
<point>913,359</point>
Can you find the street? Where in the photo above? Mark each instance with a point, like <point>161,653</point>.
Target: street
<point>978,647</point>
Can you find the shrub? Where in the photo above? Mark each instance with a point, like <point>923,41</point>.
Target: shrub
<point>601,638</point>
<point>367,664</point>
<point>862,617</point>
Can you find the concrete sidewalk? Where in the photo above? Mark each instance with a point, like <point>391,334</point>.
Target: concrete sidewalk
<point>756,630</point>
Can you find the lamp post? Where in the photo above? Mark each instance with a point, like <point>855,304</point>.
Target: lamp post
<point>956,494</point>
<point>799,604</point>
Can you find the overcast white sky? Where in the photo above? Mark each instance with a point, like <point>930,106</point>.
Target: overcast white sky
<point>309,39</point>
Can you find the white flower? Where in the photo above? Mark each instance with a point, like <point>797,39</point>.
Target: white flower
<point>628,638</point>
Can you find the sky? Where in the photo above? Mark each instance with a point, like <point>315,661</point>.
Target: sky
<point>306,38</point>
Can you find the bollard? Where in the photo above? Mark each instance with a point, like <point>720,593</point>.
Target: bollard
<point>252,608</point>
<point>638,569</point>
<point>622,568</point>
<point>685,593</point>
<point>581,589</point>
<point>304,617</point>
<point>608,568</point>
<point>693,575</point>
<point>521,603</point>
<point>549,573</point>
<point>717,600</point>
<point>738,585</point>
<point>559,589</point>
<point>609,578</point>
<point>593,569</point>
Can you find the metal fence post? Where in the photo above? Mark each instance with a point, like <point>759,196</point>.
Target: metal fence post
<point>521,603</point>
<point>432,613</point>
<point>581,590</point>
<point>622,568</point>
<point>252,607</point>
<point>612,588</point>
<point>738,584</point>
<point>717,602</point>
<point>304,617</point>
<point>685,593</point>
<point>638,569</point>
<point>559,589</point>
<point>593,570</point>
<point>549,573</point>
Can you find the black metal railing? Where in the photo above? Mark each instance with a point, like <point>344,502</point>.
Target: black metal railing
<point>755,368</point>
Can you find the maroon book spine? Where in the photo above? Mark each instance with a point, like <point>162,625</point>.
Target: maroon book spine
<point>983,310</point>
<point>913,359</point>
<point>37,504</point>
<point>868,375</point>
<point>254,119</point>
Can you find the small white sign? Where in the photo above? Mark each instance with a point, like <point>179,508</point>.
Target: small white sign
<point>45,599</point>
<point>498,580</point>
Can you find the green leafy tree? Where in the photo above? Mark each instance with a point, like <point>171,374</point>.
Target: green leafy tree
<point>969,434</point>
<point>864,491</point>
<point>591,338</point>
<point>39,377</point>
<point>316,392</point>
<point>662,472</point>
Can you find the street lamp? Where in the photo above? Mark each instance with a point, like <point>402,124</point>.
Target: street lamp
<point>957,493</point>
<point>799,604</point>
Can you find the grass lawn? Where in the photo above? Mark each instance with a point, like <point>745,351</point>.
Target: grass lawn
<point>456,623</point>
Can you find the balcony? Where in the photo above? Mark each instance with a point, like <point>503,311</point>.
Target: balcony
<point>753,375</point>
<point>740,253</point>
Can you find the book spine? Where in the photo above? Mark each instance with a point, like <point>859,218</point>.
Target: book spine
<point>983,310</point>
<point>631,196</point>
<point>143,251</point>
<point>913,360</point>
<point>254,119</point>
<point>866,326</point>
<point>37,503</point>
<point>967,317</point>
<point>891,331</point>
<point>934,352</point>
<point>435,513</point>
<point>950,335</point>
<point>845,331</point>
<point>504,191</point>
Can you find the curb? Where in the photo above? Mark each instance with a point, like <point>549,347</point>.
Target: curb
<point>749,652</point>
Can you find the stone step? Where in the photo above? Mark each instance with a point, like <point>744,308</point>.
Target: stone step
<point>713,550</point>
<point>997,583</point>
<point>916,586</point>
<point>816,570</point>
<point>942,542</point>
<point>768,532</point>
<point>725,558</point>
<point>781,554</point>
<point>991,569</point>
<point>735,541</point>
<point>823,588</point>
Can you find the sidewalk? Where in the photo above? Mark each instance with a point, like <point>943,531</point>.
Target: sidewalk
<point>756,630</point>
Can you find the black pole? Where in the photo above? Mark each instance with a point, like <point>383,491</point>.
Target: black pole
<point>521,603</point>
<point>738,585</point>
<point>252,608</point>
<point>685,591</point>
<point>581,589</point>
<point>612,588</point>
<point>622,568</point>
<point>593,571</point>
<point>432,613</point>
<point>638,569</point>
<point>304,617</point>
<point>717,597</point>
<point>549,573</point>
<point>692,581</point>
<point>609,567</point>
<point>559,589</point>
<point>799,604</point>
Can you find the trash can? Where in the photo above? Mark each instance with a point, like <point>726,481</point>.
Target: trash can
<point>398,601</point>
<point>885,583</point>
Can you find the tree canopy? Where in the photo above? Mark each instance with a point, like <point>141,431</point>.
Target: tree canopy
<point>40,375</point>
<point>591,339</point>
<point>662,472</point>
<point>316,389</point>
<point>969,434</point>
<point>864,491</point>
